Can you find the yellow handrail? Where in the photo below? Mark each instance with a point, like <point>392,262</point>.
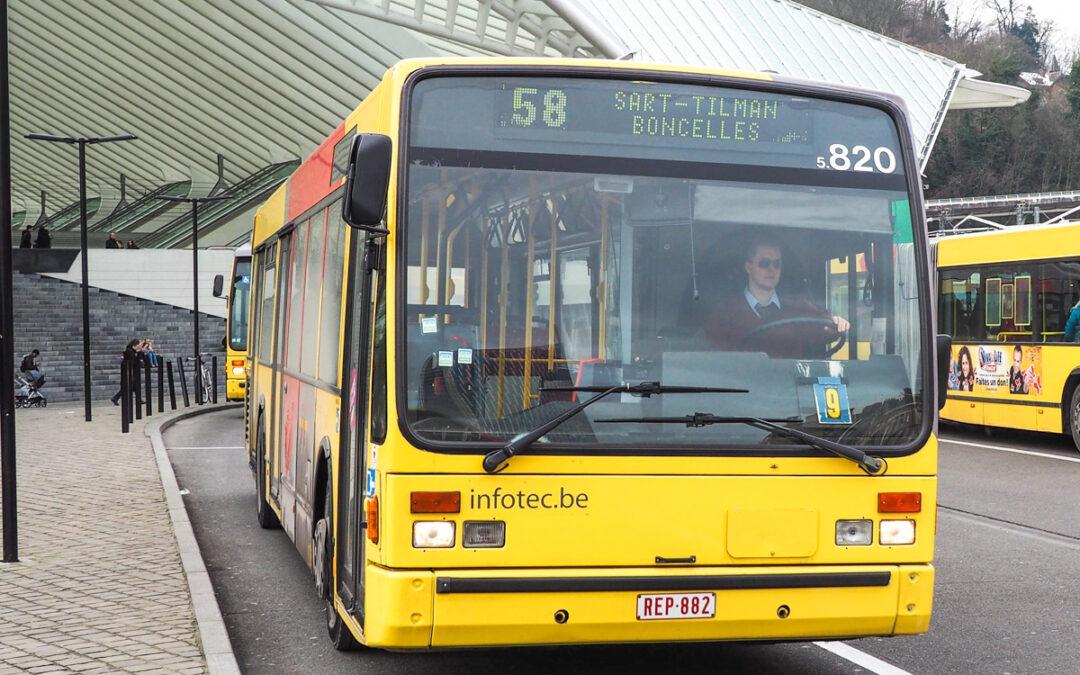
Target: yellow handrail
<point>601,286</point>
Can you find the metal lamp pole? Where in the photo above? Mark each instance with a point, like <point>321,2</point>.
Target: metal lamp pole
<point>194,201</point>
<point>7,339</point>
<point>82,142</point>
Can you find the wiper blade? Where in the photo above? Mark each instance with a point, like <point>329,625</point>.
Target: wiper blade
<point>697,419</point>
<point>647,389</point>
<point>495,460</point>
<point>868,463</point>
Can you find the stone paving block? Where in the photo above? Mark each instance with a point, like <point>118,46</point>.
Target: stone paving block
<point>101,587</point>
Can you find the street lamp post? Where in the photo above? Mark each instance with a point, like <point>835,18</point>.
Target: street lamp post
<point>7,340</point>
<point>82,142</point>
<point>194,201</point>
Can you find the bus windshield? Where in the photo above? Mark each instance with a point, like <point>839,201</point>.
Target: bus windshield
<point>238,304</point>
<point>568,233</point>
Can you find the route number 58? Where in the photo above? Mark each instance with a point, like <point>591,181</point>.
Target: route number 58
<point>552,107</point>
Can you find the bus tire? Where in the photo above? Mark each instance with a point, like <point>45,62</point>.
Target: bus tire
<point>1074,416</point>
<point>323,547</point>
<point>265,515</point>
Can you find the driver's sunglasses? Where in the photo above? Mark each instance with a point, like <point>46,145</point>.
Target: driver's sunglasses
<point>766,263</point>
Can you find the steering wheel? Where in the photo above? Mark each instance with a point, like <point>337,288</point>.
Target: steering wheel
<point>829,334</point>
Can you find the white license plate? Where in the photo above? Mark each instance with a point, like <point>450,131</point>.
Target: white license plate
<point>676,606</point>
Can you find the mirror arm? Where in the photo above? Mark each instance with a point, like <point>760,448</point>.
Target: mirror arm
<point>373,229</point>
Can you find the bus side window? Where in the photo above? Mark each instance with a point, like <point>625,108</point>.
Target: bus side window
<point>1056,294</point>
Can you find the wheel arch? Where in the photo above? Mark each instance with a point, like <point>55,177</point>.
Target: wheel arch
<point>1071,383</point>
<point>259,432</point>
<point>322,476</point>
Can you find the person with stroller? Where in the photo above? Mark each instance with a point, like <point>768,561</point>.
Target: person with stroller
<point>30,381</point>
<point>30,368</point>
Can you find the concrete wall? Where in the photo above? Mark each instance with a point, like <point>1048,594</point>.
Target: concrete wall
<point>161,275</point>
<point>48,317</point>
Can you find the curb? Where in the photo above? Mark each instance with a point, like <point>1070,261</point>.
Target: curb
<point>217,648</point>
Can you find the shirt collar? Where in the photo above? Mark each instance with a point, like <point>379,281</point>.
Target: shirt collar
<point>774,299</point>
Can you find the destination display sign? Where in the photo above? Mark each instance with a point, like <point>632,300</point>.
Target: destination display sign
<point>637,111</point>
<point>624,118</point>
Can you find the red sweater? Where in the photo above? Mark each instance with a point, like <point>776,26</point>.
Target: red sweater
<point>732,320</point>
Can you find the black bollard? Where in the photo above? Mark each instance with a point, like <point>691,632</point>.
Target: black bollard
<point>213,377</point>
<point>172,387</point>
<point>129,395</point>
<point>149,392</point>
<point>183,380</point>
<point>136,380</point>
<point>160,385</point>
<point>125,411</point>
<point>197,380</point>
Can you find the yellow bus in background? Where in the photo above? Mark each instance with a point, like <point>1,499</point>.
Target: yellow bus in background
<point>236,322</point>
<point>1005,298</point>
<point>494,398</point>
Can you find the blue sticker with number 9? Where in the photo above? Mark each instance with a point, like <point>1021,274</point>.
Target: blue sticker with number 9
<point>831,399</point>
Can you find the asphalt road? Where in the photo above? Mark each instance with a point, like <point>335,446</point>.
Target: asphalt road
<point>1007,596</point>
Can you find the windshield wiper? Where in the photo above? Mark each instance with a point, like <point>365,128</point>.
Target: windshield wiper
<point>868,463</point>
<point>495,460</point>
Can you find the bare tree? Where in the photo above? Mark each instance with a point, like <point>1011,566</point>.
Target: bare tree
<point>1004,14</point>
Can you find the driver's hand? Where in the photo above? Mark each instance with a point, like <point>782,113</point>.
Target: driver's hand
<point>841,324</point>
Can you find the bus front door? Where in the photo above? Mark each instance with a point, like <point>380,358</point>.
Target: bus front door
<point>358,461</point>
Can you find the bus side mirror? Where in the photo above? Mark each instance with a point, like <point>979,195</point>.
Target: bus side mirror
<point>367,182</point>
<point>944,358</point>
<point>219,285</point>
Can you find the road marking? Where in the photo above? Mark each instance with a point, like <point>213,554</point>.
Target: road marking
<point>206,447</point>
<point>1016,450</point>
<point>1046,536</point>
<point>861,659</point>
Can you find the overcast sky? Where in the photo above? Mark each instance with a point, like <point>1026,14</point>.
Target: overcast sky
<point>1065,14</point>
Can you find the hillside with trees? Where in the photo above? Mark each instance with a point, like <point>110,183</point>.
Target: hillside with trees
<point>1034,147</point>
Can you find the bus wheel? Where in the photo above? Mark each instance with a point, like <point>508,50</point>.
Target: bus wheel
<point>1074,416</point>
<point>323,564</point>
<point>268,520</point>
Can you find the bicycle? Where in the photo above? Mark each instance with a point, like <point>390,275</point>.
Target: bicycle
<point>207,388</point>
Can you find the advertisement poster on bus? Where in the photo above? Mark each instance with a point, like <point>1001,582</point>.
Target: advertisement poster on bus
<point>992,369</point>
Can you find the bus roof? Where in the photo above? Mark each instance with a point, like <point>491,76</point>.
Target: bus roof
<point>242,251</point>
<point>1021,242</point>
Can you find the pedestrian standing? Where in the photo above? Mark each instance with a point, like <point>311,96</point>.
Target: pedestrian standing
<point>132,244</point>
<point>113,242</point>
<point>131,353</point>
<point>1072,325</point>
<point>27,239</point>
<point>44,239</point>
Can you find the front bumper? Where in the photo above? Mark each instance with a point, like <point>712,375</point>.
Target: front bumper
<point>472,608</point>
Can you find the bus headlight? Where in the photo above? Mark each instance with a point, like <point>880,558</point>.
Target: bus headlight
<point>854,532</point>
<point>483,534</point>
<point>432,534</point>
<point>897,532</point>
<point>238,370</point>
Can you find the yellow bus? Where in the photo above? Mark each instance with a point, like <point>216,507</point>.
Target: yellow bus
<point>1005,298</point>
<point>236,322</point>
<point>508,387</point>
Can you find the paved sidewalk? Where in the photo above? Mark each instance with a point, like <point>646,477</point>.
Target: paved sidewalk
<point>100,587</point>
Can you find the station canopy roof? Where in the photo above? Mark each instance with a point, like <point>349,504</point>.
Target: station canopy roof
<point>226,96</point>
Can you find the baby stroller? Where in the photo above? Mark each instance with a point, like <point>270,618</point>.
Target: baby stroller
<point>28,393</point>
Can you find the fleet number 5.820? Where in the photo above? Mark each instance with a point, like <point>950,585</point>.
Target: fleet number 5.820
<point>859,158</point>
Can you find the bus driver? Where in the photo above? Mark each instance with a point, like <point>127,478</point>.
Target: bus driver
<point>741,321</point>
